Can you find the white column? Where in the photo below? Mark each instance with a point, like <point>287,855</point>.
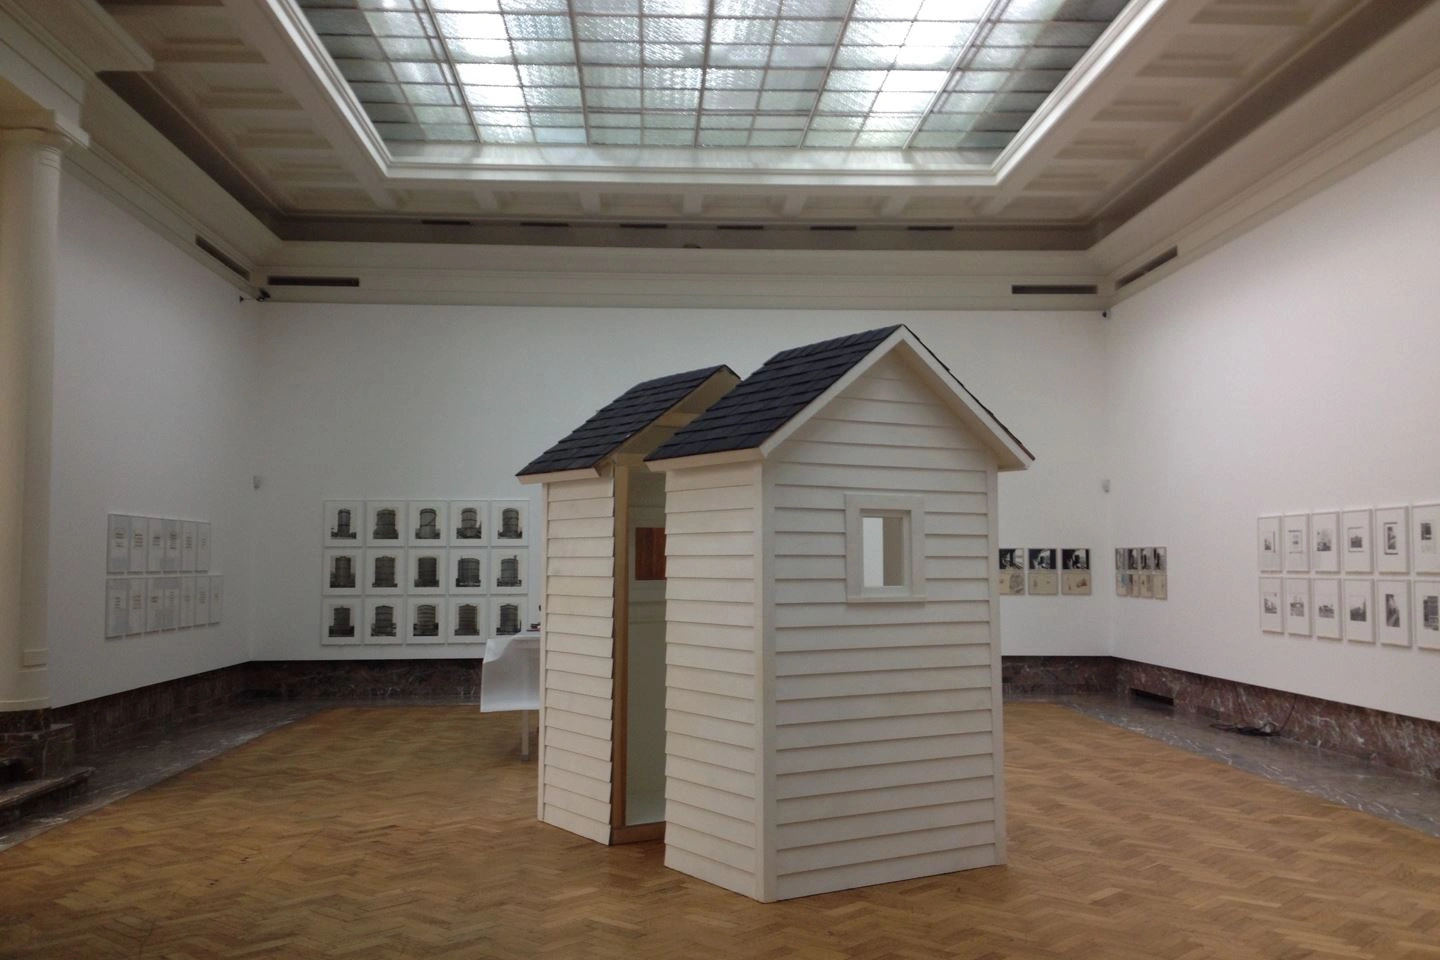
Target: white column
<point>29,248</point>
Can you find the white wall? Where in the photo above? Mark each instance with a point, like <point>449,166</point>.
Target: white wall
<point>1293,370</point>
<point>391,401</point>
<point>154,388</point>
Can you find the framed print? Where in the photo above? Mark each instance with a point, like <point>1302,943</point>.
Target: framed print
<point>202,547</point>
<point>1271,559</point>
<point>1426,611</point>
<point>1272,619</point>
<point>202,601</point>
<point>383,617</point>
<point>1042,558</point>
<point>385,522</point>
<point>508,616</point>
<point>117,550</point>
<point>154,604</point>
<point>509,570</point>
<point>139,544</point>
<point>187,603</point>
<point>217,598</point>
<point>1325,542</point>
<point>1355,540</point>
<point>384,571</point>
<point>1325,609</point>
<point>342,573</point>
<point>1392,612</point>
<point>1010,558</point>
<point>154,545</point>
<point>1147,558</point>
<point>172,603</point>
<point>172,546</point>
<point>429,524</point>
<point>1162,559</point>
<point>1119,558</point>
<point>1142,585</point>
<point>469,522</point>
<point>1425,537</point>
<point>1358,610</point>
<point>342,622</point>
<point>135,605</point>
<point>426,620</point>
<point>1160,585</point>
<point>1010,566</point>
<point>1132,558</point>
<point>1297,607</point>
<point>187,546</point>
<point>1122,583</point>
<point>1296,542</point>
<point>509,523</point>
<point>466,570</point>
<point>1392,540</point>
<point>468,620</point>
<point>425,571</point>
<point>1075,558</point>
<point>1043,583</point>
<point>344,523</point>
<point>117,603</point>
<point>1075,583</point>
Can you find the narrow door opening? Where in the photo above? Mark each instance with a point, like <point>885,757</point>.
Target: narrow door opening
<point>645,663</point>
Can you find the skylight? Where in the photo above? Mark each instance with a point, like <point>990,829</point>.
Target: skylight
<point>836,74</point>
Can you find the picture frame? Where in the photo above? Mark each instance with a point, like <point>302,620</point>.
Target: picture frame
<point>1160,585</point>
<point>509,570</point>
<point>510,522</point>
<point>1325,542</point>
<point>135,605</point>
<point>187,546</point>
<point>428,524</point>
<point>425,571</point>
<point>1076,583</point>
<point>202,601</point>
<point>202,547</point>
<point>1010,571</point>
<point>1425,537</point>
<point>1142,585</point>
<point>1147,558</point>
<point>139,544</point>
<point>117,600</point>
<point>1392,613</point>
<point>1122,583</point>
<point>1357,609</point>
<point>469,522</point>
<point>154,546</point>
<point>467,571</point>
<point>155,601</point>
<point>425,620</point>
<point>342,622</point>
<point>468,620</point>
<point>1326,610</point>
<point>1392,540</point>
<point>1425,612</point>
<point>385,571</point>
<point>1075,558</point>
<point>217,597</point>
<point>1272,604</point>
<point>187,597</point>
<point>1268,545</point>
<point>509,616</point>
<point>1357,534</point>
<point>1295,541</point>
<point>345,523</point>
<point>117,545</point>
<point>1119,558</point>
<point>1162,560</point>
<point>172,599</point>
<point>342,574</point>
<point>172,547</point>
<point>385,522</point>
<point>384,617</point>
<point>1297,607</point>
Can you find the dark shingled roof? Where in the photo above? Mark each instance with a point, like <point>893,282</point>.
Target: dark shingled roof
<point>612,425</point>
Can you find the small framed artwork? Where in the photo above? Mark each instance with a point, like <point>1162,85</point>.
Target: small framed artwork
<point>1355,540</point>
<point>202,601</point>
<point>1297,542</point>
<point>187,546</point>
<point>509,523</point>
<point>139,544</point>
<point>1119,558</point>
<point>509,570</point>
<point>469,618</point>
<point>469,522</point>
<point>202,547</point>
<point>1162,559</point>
<point>383,617</point>
<point>117,551</point>
<point>1076,583</point>
<point>424,571</point>
<point>1392,612</point>
<point>384,571</point>
<point>1358,611</point>
<point>172,603</point>
<point>1325,542</point>
<point>428,525</point>
<point>1160,585</point>
<point>1122,583</point>
<point>154,546</point>
<point>342,573</point>
<point>1272,617</point>
<point>1010,558</point>
<point>1075,558</point>
<point>155,603</point>
<point>1392,540</point>
<point>1010,568</point>
<point>344,523</point>
<point>509,616</point>
<point>1132,558</point>
<point>172,546</point>
<point>217,598</point>
<point>466,573</point>
<point>187,602</point>
<point>1271,559</point>
<point>1147,558</point>
<point>385,522</point>
<point>1297,607</point>
<point>1042,558</point>
<point>425,622</point>
<point>342,622</point>
<point>136,596</point>
<point>1142,585</point>
<point>1325,609</point>
<point>117,605</point>
<point>1425,537</point>
<point>1426,610</point>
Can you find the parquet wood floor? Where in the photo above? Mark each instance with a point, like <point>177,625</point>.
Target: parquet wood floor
<point>365,833</point>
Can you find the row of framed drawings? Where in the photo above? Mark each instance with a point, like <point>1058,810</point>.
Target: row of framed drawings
<point>156,545</point>
<point>1142,586</point>
<point>1399,613</point>
<point>1070,576</point>
<point>422,620</point>
<point>1383,540</point>
<point>138,605</point>
<point>382,571</point>
<point>425,523</point>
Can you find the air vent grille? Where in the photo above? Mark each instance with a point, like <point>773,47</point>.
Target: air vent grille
<point>220,257</point>
<point>1054,289</point>
<point>290,281</point>
<point>1147,267</point>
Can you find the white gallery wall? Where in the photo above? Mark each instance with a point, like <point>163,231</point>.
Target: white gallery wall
<point>154,415</point>
<point>1295,369</point>
<point>373,401</point>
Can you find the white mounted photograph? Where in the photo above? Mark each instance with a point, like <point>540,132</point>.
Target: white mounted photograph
<point>117,607</point>
<point>139,543</point>
<point>135,605</point>
<point>172,546</point>
<point>154,545</point>
<point>1325,605</point>
<point>1426,611</point>
<point>1296,542</point>
<point>425,571</point>
<point>384,571</point>
<point>1160,585</point>
<point>187,603</point>
<point>469,522</point>
<point>1010,569</point>
<point>202,547</point>
<point>217,598</point>
<point>154,605</point>
<point>1272,560</point>
<point>1297,607</point>
<point>344,524</point>
<point>1425,537</point>
<point>342,622</point>
<point>1392,540</point>
<point>1356,528</point>
<point>1358,611</point>
<point>1392,612</point>
<point>383,619</point>
<point>509,616</point>
<point>428,523</point>
<point>117,540</point>
<point>1325,542</point>
<point>172,603</point>
<point>509,570</point>
<point>385,522</point>
<point>468,620</point>
<point>202,601</point>
<point>187,546</point>
<point>425,622</point>
<point>466,573</point>
<point>341,574</point>
<point>509,522</point>
<point>1272,600</point>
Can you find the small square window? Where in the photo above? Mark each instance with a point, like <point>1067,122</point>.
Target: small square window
<point>884,548</point>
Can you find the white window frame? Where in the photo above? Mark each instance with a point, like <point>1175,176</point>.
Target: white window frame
<point>911,509</point>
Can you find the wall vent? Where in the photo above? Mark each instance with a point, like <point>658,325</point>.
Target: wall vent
<point>839,227</point>
<point>644,226</point>
<point>1151,701</point>
<point>442,222</point>
<point>740,226</point>
<point>1147,267</point>
<point>1053,289</point>
<point>544,223</point>
<point>932,228</point>
<point>223,260</point>
<point>288,281</point>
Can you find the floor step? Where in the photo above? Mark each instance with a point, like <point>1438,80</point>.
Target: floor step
<point>32,797</point>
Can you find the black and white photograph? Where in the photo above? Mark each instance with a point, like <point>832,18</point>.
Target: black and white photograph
<point>202,547</point>
<point>1011,558</point>
<point>155,545</point>
<point>384,571</point>
<point>509,570</point>
<point>425,621</point>
<point>469,521</point>
<point>1162,563</point>
<point>117,550</point>
<point>187,602</point>
<point>1355,538</point>
<point>217,598</point>
<point>509,522</point>
<point>139,543</point>
<point>1297,607</point>
<point>1272,616</point>
<point>344,523</point>
<point>1075,558</point>
<point>1076,582</point>
<point>425,571</point>
<point>1325,542</point>
<point>385,619</point>
<point>469,620</point>
<point>187,546</point>
<point>1426,610</point>
<point>117,605</point>
<point>1148,558</point>
<point>1042,558</point>
<point>1325,606</point>
<point>1296,541</point>
<point>1119,558</point>
<point>1357,609</point>
<point>1392,540</point>
<point>508,616</point>
<point>202,601</point>
<point>1272,559</point>
<point>1392,609</point>
<point>342,576</point>
<point>342,622</point>
<point>428,524</point>
<point>1132,558</point>
<point>385,522</point>
<point>466,571</point>
<point>1425,537</point>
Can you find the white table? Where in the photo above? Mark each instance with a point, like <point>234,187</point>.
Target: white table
<point>510,679</point>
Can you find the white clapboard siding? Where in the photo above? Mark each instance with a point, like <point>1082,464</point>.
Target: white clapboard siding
<point>713,712</point>
<point>577,657</point>
<point>884,740</point>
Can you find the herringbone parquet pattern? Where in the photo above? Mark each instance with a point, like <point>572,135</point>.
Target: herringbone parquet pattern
<point>400,832</point>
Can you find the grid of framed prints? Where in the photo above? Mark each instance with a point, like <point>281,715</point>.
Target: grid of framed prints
<point>1339,552</point>
<point>1142,573</point>
<point>1044,571</point>
<point>158,576</point>
<point>424,571</point>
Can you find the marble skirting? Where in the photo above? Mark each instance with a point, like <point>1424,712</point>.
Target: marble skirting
<point>1057,676</point>
<point>173,704</point>
<point>363,679</point>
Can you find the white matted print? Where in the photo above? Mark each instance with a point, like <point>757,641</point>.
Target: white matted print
<point>1358,609</point>
<point>172,603</point>
<point>385,522</point>
<point>187,546</point>
<point>1010,569</point>
<point>341,576</point>
<point>1160,585</point>
<point>1392,612</point>
<point>1325,604</point>
<point>1392,540</point>
<point>385,571</point>
<point>1426,611</point>
<point>1425,537</point>
<point>425,571</point>
<point>508,616</point>
<point>426,620</point>
<point>202,601</point>
<point>1268,545</point>
<point>172,546</point>
<point>428,525</point>
<point>187,602</point>
<point>383,619</point>
<point>154,546</point>
<point>154,605</point>
<point>1296,542</point>
<point>1272,619</point>
<point>217,598</point>
<point>135,605</point>
<point>469,522</point>
<point>344,523</point>
<point>509,522</point>
<point>117,545</point>
<point>342,621</point>
<point>117,606</point>
<point>1297,607</point>
<point>1325,542</point>
<point>469,620</point>
<point>1356,541</point>
<point>202,547</point>
<point>509,570</point>
<point>466,573</point>
<point>139,543</point>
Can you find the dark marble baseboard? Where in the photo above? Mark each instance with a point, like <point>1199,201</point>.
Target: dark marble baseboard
<point>352,679</point>
<point>172,704</point>
<point>1057,676</point>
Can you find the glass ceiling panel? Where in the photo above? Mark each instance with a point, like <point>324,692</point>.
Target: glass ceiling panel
<point>851,74</point>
